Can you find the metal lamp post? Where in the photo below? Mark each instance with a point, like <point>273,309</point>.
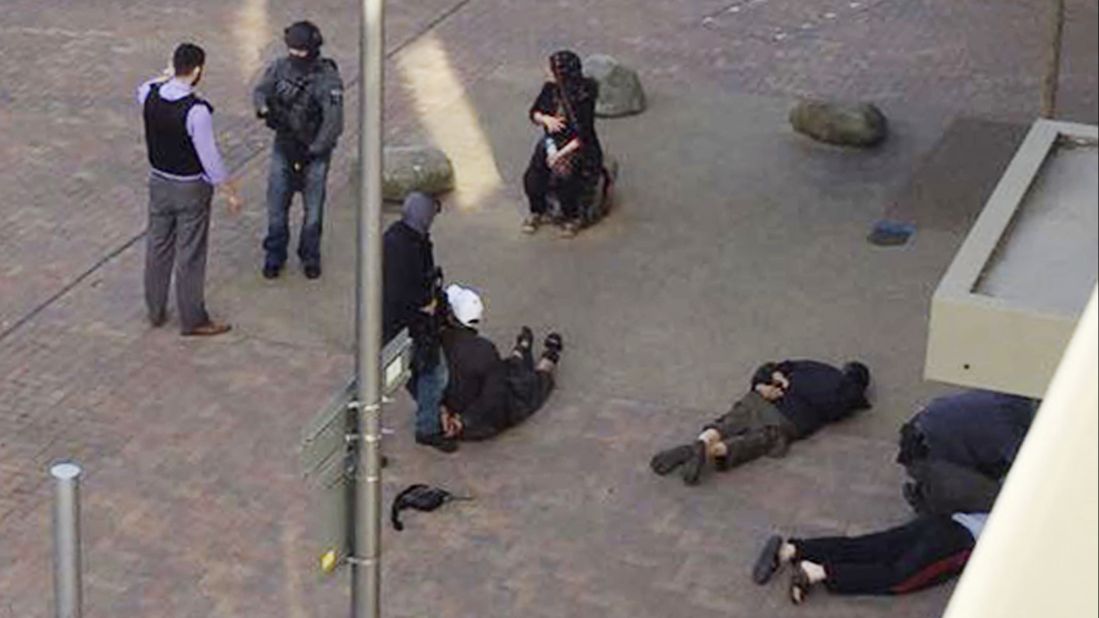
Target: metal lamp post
<point>366,565</point>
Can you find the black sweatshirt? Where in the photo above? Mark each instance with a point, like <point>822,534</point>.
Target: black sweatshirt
<point>819,394</point>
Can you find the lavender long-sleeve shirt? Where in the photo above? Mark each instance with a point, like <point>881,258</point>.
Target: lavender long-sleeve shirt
<point>200,126</point>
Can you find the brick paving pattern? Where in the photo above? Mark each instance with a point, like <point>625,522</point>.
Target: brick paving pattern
<point>194,506</point>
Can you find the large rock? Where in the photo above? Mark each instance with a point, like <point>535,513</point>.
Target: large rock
<point>844,124</point>
<point>415,168</point>
<point>620,92</point>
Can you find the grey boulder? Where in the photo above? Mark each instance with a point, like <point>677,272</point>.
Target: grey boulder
<point>843,124</point>
<point>620,92</point>
<point>415,168</point>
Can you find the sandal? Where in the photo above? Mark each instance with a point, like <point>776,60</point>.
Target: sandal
<point>524,339</point>
<point>800,586</point>
<point>569,229</point>
<point>768,562</point>
<point>553,344</point>
<point>531,224</point>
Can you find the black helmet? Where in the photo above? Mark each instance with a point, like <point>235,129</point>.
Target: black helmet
<point>304,35</point>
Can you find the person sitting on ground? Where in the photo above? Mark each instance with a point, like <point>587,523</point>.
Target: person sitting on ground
<point>569,159</point>
<point>959,448</point>
<point>926,551</point>
<point>486,394</point>
<point>786,401</point>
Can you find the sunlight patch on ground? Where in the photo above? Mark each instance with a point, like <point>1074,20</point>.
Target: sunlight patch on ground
<point>448,115</point>
<point>253,31</point>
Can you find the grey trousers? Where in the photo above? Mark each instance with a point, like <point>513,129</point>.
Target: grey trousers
<point>179,223</point>
<point>942,488</point>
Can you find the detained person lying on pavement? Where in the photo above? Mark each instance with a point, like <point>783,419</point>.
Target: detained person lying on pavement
<point>928,550</point>
<point>958,449</point>
<point>786,401</point>
<point>487,394</point>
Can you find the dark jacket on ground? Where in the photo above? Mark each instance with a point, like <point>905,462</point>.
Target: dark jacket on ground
<point>980,430</point>
<point>819,394</point>
<point>477,389</point>
<point>407,284</point>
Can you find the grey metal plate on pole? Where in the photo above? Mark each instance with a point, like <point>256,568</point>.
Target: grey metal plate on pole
<point>325,435</point>
<point>396,362</point>
<point>327,451</point>
<point>327,465</point>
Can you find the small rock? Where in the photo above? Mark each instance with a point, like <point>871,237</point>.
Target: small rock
<point>415,168</point>
<point>620,92</point>
<point>844,124</point>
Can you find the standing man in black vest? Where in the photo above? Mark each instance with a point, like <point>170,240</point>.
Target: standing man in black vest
<point>186,166</point>
<point>301,98</point>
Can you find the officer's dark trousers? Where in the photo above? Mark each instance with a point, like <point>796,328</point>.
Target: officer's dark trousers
<point>916,555</point>
<point>179,223</point>
<point>283,181</point>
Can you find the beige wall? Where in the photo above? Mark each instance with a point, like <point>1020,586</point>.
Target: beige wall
<point>1039,554</point>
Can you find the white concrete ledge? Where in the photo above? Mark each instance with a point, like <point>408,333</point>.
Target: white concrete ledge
<point>1006,307</point>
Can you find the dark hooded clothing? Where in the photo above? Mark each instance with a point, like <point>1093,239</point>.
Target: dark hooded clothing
<point>408,280</point>
<point>980,430</point>
<point>571,98</point>
<point>489,393</point>
<point>819,394</point>
<point>959,448</point>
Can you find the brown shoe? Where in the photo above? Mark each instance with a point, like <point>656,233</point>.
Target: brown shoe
<point>209,329</point>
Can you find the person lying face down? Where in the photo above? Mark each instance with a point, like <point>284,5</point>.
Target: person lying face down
<point>786,401</point>
<point>924,552</point>
<point>959,447</point>
<point>487,394</point>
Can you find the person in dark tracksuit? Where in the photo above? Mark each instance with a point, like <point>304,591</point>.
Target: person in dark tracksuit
<point>786,401</point>
<point>301,97</point>
<point>959,448</point>
<point>486,394</point>
<point>186,166</point>
<point>410,282</point>
<point>926,551</point>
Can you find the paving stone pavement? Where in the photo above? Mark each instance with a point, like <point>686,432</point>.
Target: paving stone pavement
<point>194,505</point>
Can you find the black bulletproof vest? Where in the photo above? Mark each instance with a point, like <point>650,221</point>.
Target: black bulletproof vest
<point>170,148</point>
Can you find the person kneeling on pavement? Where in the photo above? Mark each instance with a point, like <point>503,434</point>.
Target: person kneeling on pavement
<point>487,394</point>
<point>926,551</point>
<point>959,448</point>
<point>786,401</point>
<point>411,299</point>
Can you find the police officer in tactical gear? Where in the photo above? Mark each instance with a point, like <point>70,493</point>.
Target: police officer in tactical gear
<point>301,98</point>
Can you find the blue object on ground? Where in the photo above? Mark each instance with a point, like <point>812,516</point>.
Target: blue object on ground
<point>887,233</point>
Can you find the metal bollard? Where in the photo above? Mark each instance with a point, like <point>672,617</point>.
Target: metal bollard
<point>67,588</point>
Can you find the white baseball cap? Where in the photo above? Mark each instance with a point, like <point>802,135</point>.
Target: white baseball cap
<point>465,304</point>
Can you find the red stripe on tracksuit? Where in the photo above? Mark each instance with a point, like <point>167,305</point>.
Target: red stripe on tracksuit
<point>932,572</point>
